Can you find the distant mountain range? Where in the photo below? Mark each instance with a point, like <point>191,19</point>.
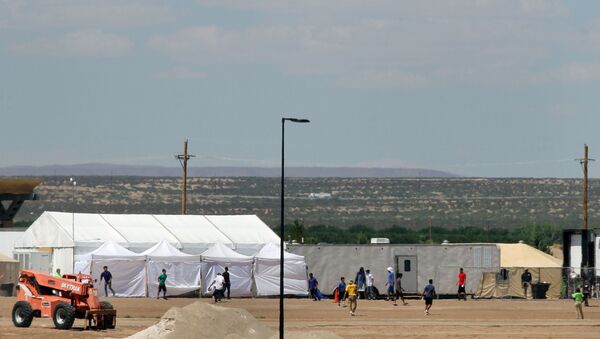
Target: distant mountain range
<point>98,169</point>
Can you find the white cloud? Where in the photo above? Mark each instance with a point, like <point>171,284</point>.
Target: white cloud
<point>383,43</point>
<point>578,72</point>
<point>384,78</point>
<point>35,14</point>
<point>339,9</point>
<point>86,43</point>
<point>182,73</point>
<point>375,52</point>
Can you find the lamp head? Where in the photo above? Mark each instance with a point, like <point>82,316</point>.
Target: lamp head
<point>296,120</point>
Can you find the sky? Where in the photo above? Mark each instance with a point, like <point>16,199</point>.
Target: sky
<point>496,88</point>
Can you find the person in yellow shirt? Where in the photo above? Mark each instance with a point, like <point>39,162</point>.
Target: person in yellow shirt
<point>351,293</point>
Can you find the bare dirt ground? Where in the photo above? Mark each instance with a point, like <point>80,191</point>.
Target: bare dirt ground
<point>449,318</point>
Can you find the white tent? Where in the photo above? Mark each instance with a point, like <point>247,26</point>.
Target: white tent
<point>57,234</point>
<point>247,232</point>
<point>219,256</point>
<point>127,268</point>
<point>183,270</point>
<point>266,272</point>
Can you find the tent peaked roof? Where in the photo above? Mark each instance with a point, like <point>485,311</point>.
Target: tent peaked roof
<point>55,229</point>
<point>110,249</point>
<point>523,255</point>
<point>219,250</point>
<point>272,251</point>
<point>165,250</point>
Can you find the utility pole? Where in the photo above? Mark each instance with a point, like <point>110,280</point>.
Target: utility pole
<point>183,159</point>
<point>585,234</point>
<point>584,164</point>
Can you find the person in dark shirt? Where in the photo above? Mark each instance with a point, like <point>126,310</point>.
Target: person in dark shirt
<point>313,284</point>
<point>428,295</point>
<point>361,281</point>
<point>162,284</point>
<point>227,282</point>
<point>341,291</point>
<point>107,281</point>
<point>526,281</point>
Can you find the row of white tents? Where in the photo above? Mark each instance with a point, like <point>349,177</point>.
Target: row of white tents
<point>136,274</point>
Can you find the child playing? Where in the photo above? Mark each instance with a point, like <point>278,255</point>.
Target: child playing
<point>578,297</point>
<point>351,293</point>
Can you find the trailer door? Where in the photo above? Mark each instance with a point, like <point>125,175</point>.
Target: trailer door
<point>407,265</point>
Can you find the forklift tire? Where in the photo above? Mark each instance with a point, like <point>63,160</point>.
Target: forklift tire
<point>108,320</point>
<point>63,316</point>
<point>22,314</point>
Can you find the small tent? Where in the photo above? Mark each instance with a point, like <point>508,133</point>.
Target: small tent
<point>514,260</point>
<point>267,268</point>
<point>183,270</point>
<point>219,256</point>
<point>127,268</point>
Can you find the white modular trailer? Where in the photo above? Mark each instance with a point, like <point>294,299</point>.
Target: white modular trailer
<point>54,236</point>
<point>581,249</point>
<point>417,263</point>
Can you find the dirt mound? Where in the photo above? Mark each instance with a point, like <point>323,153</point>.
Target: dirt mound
<point>202,320</point>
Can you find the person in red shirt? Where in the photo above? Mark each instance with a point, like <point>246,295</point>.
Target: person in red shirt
<point>462,280</point>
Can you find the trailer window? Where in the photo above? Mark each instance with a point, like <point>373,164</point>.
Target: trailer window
<point>407,265</point>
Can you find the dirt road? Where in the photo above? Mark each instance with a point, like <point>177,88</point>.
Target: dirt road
<point>449,318</point>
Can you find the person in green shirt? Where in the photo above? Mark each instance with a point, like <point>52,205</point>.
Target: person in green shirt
<point>578,297</point>
<point>57,274</point>
<point>162,284</point>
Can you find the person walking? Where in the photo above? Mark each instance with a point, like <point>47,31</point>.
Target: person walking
<point>390,285</point>
<point>227,282</point>
<point>57,273</point>
<point>313,285</point>
<point>107,276</point>
<point>428,295</point>
<point>399,290</point>
<point>352,297</point>
<point>370,292</point>
<point>219,286</point>
<point>525,281</point>
<point>162,284</point>
<point>361,281</point>
<point>578,297</point>
<point>341,291</point>
<point>462,280</point>
<point>585,290</point>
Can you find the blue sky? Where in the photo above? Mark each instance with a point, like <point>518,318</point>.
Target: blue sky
<point>479,88</point>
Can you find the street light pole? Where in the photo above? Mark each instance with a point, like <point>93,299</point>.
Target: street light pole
<point>73,183</point>
<point>281,232</point>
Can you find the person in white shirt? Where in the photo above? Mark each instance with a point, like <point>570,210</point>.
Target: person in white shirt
<point>219,286</point>
<point>370,291</point>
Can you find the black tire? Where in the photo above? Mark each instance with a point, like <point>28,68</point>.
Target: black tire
<point>63,316</point>
<point>22,314</point>
<point>108,319</point>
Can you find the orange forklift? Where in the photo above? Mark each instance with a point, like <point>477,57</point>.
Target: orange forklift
<point>64,299</point>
